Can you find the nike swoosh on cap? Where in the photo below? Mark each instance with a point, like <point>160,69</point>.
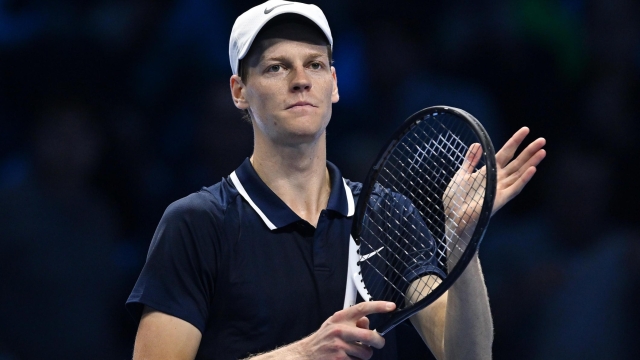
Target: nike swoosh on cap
<point>267,10</point>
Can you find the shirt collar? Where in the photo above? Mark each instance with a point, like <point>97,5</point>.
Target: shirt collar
<point>273,211</point>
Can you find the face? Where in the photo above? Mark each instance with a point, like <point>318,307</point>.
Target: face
<point>290,86</point>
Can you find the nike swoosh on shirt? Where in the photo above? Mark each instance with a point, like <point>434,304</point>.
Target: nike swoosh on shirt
<point>267,10</point>
<point>365,257</point>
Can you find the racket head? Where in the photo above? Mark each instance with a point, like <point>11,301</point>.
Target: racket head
<point>403,232</point>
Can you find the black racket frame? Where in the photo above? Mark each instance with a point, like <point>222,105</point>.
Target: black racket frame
<point>398,316</point>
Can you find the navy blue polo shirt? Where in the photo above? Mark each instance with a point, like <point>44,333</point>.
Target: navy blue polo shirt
<point>236,262</point>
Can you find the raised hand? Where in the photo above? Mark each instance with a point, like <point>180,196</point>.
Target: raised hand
<point>462,202</point>
<point>464,195</point>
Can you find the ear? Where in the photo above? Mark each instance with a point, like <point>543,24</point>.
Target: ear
<point>238,92</point>
<point>334,94</point>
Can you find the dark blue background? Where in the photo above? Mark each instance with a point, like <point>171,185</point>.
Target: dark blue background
<point>110,110</point>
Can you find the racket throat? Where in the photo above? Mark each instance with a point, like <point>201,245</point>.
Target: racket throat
<point>355,283</point>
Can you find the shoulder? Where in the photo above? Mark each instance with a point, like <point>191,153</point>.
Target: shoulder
<point>208,202</point>
<point>380,197</point>
<point>355,187</point>
<point>194,221</point>
<point>377,190</point>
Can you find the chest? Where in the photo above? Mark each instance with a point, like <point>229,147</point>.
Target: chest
<point>285,281</point>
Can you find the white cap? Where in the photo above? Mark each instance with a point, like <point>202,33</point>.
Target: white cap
<point>247,25</point>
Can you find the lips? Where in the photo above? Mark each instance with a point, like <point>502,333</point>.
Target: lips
<point>300,103</point>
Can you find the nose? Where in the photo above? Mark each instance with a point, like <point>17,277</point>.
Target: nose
<point>300,81</point>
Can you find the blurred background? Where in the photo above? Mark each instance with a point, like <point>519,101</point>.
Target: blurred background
<point>111,110</point>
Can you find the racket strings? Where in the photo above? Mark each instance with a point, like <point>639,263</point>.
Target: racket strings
<point>423,196</point>
<point>455,149</point>
<point>428,219</point>
<point>393,278</point>
<point>419,180</point>
<point>395,274</point>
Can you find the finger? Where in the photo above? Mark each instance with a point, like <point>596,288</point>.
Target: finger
<point>358,351</point>
<point>354,313</point>
<point>472,157</point>
<point>524,159</point>
<point>509,193</point>
<point>509,149</point>
<point>509,177</point>
<point>363,323</point>
<point>519,184</point>
<point>362,336</point>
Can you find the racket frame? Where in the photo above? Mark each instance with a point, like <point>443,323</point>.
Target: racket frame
<point>398,316</point>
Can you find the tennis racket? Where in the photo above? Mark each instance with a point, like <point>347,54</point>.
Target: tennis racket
<point>422,212</point>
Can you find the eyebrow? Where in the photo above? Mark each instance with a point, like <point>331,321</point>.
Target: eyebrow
<point>313,55</point>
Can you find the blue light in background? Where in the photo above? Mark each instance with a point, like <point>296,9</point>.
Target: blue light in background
<point>351,68</point>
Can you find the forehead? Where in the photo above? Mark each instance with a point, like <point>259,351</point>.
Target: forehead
<point>282,48</point>
<point>290,32</point>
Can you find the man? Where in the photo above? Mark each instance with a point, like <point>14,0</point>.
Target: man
<point>255,266</point>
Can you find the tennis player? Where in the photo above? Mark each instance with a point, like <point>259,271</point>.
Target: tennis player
<point>255,266</point>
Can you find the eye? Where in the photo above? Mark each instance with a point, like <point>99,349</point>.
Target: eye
<point>316,66</point>
<point>274,68</point>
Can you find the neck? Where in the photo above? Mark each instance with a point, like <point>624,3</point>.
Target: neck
<point>297,174</point>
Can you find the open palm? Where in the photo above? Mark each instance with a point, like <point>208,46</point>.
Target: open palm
<point>464,195</point>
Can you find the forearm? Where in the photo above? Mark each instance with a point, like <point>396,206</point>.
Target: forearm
<point>468,328</point>
<point>458,324</point>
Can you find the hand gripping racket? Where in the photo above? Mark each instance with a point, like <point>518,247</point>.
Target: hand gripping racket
<point>422,211</point>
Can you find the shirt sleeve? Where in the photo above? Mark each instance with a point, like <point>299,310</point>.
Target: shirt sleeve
<point>179,274</point>
<point>419,246</point>
<point>396,225</point>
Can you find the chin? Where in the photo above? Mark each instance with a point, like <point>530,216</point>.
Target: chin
<point>301,137</point>
<point>310,125</point>
<point>297,135</point>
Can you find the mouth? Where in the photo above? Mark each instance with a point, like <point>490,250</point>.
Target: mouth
<point>300,104</point>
